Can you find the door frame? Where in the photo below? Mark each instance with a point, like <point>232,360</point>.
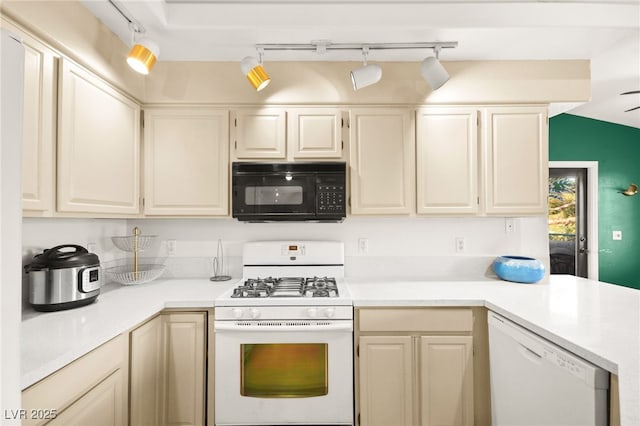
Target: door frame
<point>592,208</point>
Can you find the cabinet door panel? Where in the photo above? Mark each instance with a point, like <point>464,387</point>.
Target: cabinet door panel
<point>38,131</point>
<point>447,158</point>
<point>260,133</point>
<point>184,366</point>
<point>446,366</point>
<point>186,161</point>
<point>315,132</point>
<point>386,381</point>
<point>146,373</point>
<point>98,146</point>
<point>516,162</point>
<point>381,162</point>
<point>102,405</point>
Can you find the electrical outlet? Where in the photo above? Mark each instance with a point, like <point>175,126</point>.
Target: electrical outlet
<point>91,247</point>
<point>509,225</point>
<point>171,247</point>
<point>617,235</point>
<point>459,245</point>
<point>363,245</point>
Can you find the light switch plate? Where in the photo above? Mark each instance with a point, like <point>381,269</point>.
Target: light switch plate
<point>617,235</point>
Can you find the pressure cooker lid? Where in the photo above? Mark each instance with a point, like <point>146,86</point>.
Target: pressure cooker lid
<point>63,256</point>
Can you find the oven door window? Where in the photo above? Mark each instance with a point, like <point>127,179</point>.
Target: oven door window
<point>284,370</point>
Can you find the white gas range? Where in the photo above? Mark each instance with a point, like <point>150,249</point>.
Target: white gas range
<point>284,338</point>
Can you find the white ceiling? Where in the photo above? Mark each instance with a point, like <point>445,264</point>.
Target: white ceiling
<point>605,31</point>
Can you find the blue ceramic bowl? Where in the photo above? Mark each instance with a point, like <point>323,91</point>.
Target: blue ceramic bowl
<point>518,269</point>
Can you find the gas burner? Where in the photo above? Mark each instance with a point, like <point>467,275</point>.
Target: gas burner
<point>320,287</point>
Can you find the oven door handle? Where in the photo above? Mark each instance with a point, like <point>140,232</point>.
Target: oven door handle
<point>237,327</point>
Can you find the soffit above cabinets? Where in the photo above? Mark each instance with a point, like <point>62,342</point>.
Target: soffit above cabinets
<point>607,32</point>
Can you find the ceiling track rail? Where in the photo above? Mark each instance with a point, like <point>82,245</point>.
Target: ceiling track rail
<point>321,46</point>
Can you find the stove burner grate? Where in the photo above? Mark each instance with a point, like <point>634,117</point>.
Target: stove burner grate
<point>287,287</point>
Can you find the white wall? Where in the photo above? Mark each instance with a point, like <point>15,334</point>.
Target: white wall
<point>397,247</point>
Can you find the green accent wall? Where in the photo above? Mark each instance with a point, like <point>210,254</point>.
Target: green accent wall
<point>616,148</point>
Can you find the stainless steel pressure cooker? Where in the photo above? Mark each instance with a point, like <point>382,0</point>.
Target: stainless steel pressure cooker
<point>63,277</point>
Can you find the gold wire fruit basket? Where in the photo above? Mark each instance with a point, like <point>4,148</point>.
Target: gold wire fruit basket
<point>137,270</point>
<point>124,274</point>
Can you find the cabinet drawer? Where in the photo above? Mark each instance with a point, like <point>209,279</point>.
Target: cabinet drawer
<point>416,319</point>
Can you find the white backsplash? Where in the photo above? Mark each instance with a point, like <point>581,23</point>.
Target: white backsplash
<point>397,247</point>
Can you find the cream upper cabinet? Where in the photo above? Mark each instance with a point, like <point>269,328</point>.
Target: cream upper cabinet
<point>381,161</point>
<point>447,161</point>
<point>98,146</point>
<point>516,165</point>
<point>186,161</point>
<point>287,134</point>
<point>259,133</point>
<point>168,367</point>
<point>39,129</point>
<point>38,148</point>
<point>415,366</point>
<point>91,390</point>
<point>315,132</point>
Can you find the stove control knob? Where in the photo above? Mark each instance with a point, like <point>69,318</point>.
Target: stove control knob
<point>254,313</point>
<point>312,312</point>
<point>329,312</point>
<point>236,312</point>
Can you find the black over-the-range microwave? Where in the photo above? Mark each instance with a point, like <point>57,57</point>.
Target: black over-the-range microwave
<point>311,191</point>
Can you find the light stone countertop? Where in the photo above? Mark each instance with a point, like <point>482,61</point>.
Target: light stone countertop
<point>597,321</point>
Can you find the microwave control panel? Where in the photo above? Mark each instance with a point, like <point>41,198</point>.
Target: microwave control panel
<point>330,196</point>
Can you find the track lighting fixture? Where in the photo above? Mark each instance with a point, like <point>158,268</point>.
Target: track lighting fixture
<point>366,75</point>
<point>143,54</point>
<point>255,73</point>
<point>144,51</point>
<point>433,71</point>
<point>431,68</point>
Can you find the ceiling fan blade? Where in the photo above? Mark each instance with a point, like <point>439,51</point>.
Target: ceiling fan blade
<point>631,92</point>
<point>632,109</point>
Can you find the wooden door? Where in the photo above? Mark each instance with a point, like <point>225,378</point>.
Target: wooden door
<point>386,381</point>
<point>381,161</point>
<point>186,161</point>
<point>447,161</point>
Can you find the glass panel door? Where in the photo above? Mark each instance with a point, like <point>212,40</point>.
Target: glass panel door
<point>567,221</point>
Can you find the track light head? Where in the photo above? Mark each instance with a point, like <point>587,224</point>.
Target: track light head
<point>366,75</point>
<point>433,71</point>
<point>255,73</point>
<point>143,55</point>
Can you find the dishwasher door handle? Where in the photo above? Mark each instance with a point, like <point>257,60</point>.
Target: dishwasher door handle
<point>530,354</point>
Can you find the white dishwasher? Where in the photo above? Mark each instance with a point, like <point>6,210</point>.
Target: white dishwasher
<point>535,382</point>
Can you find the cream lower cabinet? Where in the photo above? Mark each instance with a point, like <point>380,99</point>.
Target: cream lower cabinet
<point>381,142</point>
<point>93,390</point>
<point>186,161</point>
<point>516,164</point>
<point>415,367</point>
<point>168,364</point>
<point>98,164</point>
